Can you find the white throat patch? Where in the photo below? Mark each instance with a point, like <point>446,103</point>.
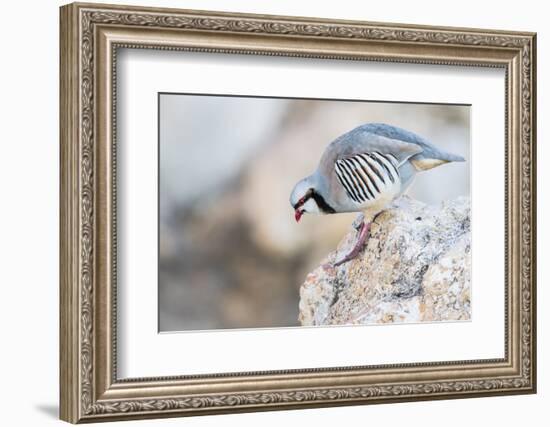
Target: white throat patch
<point>310,206</point>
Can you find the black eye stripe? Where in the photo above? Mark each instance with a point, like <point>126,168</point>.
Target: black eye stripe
<point>304,199</point>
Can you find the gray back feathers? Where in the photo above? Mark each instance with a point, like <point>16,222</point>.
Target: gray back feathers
<point>385,139</point>
<point>429,151</point>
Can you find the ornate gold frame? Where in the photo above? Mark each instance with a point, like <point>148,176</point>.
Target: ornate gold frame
<point>90,35</point>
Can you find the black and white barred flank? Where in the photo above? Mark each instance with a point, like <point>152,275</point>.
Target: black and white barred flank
<point>365,176</point>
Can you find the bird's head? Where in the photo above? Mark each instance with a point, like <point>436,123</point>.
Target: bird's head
<point>303,198</point>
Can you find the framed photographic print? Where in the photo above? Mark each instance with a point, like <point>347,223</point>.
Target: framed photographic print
<point>265,212</point>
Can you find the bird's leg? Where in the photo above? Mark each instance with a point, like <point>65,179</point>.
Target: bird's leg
<point>362,235</point>
<point>363,231</point>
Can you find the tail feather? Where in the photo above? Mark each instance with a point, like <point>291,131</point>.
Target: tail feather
<point>449,157</point>
<point>424,161</point>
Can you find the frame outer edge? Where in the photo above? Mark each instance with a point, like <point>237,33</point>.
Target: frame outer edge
<point>533,124</point>
<point>69,354</point>
<point>77,226</point>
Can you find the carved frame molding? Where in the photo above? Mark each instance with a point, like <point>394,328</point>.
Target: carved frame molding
<point>90,37</point>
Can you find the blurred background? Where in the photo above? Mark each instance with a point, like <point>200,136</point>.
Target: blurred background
<point>230,253</point>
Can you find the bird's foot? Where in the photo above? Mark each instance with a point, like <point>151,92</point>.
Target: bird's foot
<point>359,221</point>
<point>363,234</point>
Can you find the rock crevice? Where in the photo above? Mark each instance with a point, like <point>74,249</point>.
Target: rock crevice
<point>414,268</point>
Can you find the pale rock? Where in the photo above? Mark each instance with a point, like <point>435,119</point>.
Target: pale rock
<point>415,268</point>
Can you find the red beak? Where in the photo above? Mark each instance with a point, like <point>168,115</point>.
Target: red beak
<point>298,214</point>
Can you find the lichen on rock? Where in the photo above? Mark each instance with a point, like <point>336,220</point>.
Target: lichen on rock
<point>415,267</point>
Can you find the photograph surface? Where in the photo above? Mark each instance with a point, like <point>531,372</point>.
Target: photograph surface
<point>279,212</point>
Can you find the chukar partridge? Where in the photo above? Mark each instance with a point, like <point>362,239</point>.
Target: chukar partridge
<point>364,170</point>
